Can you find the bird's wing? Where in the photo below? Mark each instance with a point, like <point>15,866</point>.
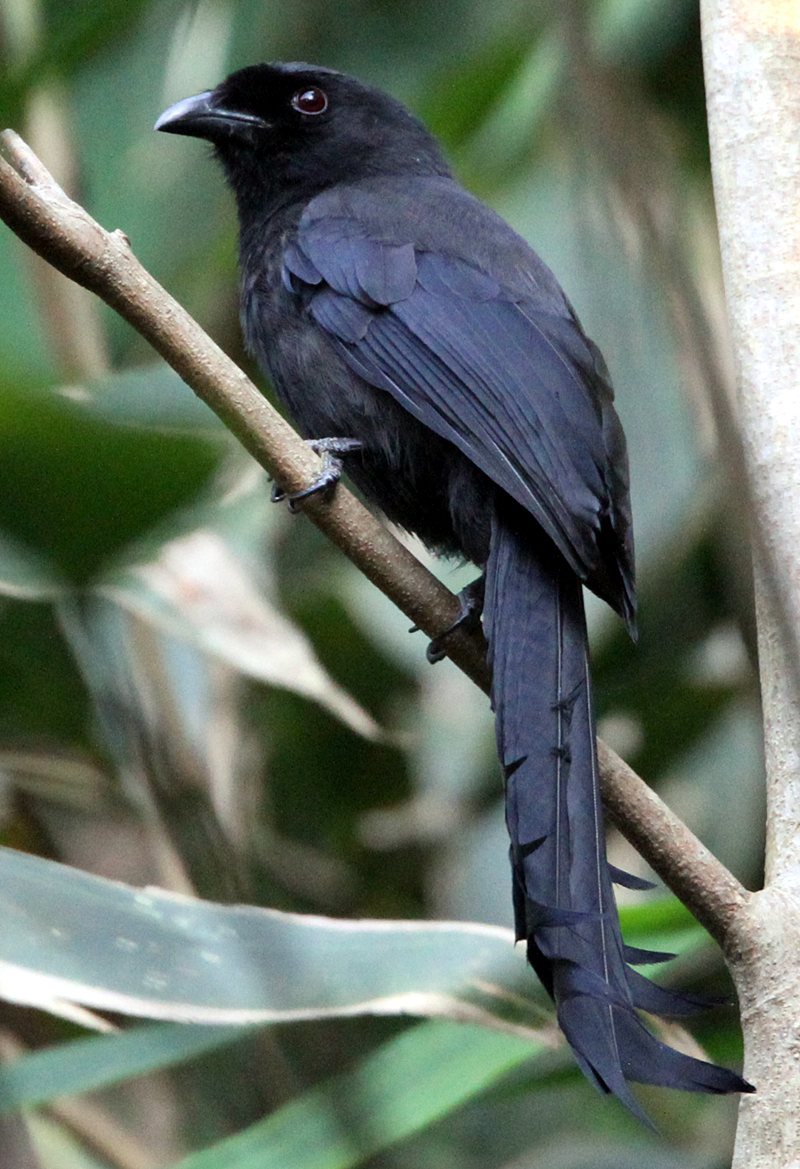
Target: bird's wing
<point>519,390</point>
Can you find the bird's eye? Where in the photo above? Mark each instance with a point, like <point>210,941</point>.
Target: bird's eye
<point>310,101</point>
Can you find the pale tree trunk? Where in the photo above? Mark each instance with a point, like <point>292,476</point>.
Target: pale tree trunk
<point>752,64</point>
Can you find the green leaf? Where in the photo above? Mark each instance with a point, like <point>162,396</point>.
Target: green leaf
<point>632,31</point>
<point>101,1060</point>
<point>149,395</point>
<point>79,489</point>
<point>409,1083</point>
<point>656,913</point>
<point>503,139</point>
<point>71,936</point>
<point>27,575</point>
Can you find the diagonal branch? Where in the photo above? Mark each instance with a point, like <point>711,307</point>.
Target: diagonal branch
<point>36,208</point>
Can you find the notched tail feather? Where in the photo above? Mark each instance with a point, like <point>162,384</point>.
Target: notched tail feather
<point>562,883</point>
<point>620,877</point>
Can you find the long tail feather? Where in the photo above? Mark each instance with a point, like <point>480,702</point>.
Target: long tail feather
<point>563,899</point>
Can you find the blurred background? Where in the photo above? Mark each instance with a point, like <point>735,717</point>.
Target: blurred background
<point>197,692</point>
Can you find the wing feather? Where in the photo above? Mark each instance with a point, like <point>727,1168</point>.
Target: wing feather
<point>511,385</point>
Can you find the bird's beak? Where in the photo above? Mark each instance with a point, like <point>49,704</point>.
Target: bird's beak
<point>200,117</point>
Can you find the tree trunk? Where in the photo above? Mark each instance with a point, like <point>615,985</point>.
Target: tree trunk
<point>752,64</point>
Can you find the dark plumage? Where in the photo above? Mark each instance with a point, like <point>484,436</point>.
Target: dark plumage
<point>390,306</point>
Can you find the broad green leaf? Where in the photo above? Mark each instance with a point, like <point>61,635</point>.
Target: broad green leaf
<point>71,936</point>
<point>101,1060</point>
<point>408,1083</point>
<point>78,489</point>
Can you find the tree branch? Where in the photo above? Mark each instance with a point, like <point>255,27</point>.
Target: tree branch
<point>33,206</point>
<point>41,214</point>
<point>671,849</point>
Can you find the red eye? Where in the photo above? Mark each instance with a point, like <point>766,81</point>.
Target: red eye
<point>310,101</point>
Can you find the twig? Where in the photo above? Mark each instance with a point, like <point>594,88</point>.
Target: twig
<point>39,212</point>
<point>36,208</point>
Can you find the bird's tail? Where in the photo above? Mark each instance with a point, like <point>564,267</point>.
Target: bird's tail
<point>563,900</point>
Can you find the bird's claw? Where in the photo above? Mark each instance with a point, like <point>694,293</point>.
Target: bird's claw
<point>470,600</point>
<point>332,451</point>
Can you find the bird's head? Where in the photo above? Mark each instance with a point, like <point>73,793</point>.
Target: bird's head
<point>293,130</point>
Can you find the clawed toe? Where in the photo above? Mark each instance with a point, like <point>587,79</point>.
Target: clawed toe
<point>332,451</point>
<point>469,620</point>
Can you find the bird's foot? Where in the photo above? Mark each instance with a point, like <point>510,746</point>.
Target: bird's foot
<point>470,600</point>
<point>332,451</point>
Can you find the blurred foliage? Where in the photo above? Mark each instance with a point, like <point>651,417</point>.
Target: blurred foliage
<point>153,733</point>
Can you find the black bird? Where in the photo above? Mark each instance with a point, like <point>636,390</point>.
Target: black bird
<point>397,314</point>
